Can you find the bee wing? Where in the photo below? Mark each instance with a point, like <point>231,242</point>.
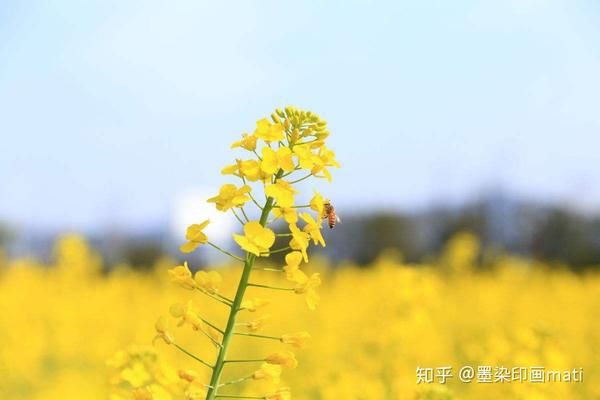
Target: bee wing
<point>338,219</point>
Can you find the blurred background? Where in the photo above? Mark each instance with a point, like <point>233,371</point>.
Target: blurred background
<point>465,129</point>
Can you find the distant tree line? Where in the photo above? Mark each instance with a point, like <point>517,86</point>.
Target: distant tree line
<point>552,234</point>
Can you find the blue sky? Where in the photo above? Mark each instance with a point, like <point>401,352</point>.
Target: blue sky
<point>112,110</point>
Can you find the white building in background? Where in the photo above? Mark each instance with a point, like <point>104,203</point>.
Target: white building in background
<point>190,207</point>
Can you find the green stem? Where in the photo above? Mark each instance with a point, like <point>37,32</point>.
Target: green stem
<point>212,325</point>
<point>235,307</point>
<point>226,252</point>
<point>301,179</point>
<point>277,251</point>
<point>193,356</point>
<point>218,298</point>
<point>237,217</point>
<point>302,206</point>
<point>250,194</point>
<point>296,168</point>
<point>258,336</point>
<point>268,287</point>
<point>213,341</point>
<point>244,361</point>
<point>224,298</point>
<point>245,216</point>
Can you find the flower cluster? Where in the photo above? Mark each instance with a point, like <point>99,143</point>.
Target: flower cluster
<point>280,153</point>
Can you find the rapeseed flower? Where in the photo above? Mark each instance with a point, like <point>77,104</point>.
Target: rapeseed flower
<point>273,160</point>
<point>258,323</point>
<point>231,196</point>
<point>162,332</point>
<point>317,203</point>
<point>267,131</point>
<point>297,339</point>
<point>283,193</point>
<point>300,241</point>
<point>313,228</point>
<point>182,276</point>
<point>248,142</point>
<point>268,372</point>
<point>308,287</point>
<point>256,239</point>
<point>186,314</point>
<point>292,267</point>
<point>195,237</point>
<point>254,304</point>
<point>289,214</point>
<point>284,358</point>
<point>208,281</point>
<point>293,141</point>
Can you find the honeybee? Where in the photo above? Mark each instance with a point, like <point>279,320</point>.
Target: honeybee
<point>330,215</point>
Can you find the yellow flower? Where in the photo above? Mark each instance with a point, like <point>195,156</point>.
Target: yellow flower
<point>284,358</point>
<point>230,196</point>
<point>256,239</point>
<point>292,265</point>
<point>308,287</point>
<point>318,204</point>
<point>258,323</point>
<point>182,276</point>
<point>273,160</point>
<point>233,169</point>
<point>162,332</point>
<point>269,372</point>
<point>248,169</point>
<point>248,142</point>
<point>283,193</point>
<point>316,163</point>
<point>313,228</point>
<point>299,241</point>
<point>267,131</point>
<point>326,159</point>
<point>254,304</point>
<point>187,314</point>
<point>280,394</point>
<point>306,158</point>
<point>195,237</point>
<point>142,394</point>
<point>208,281</point>
<point>295,339</point>
<point>289,214</point>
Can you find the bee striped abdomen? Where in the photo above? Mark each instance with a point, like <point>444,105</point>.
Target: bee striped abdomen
<point>329,214</point>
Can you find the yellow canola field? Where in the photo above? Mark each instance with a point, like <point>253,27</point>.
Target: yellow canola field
<point>68,331</point>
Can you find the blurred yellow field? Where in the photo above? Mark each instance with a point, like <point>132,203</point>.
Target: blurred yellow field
<point>69,331</point>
